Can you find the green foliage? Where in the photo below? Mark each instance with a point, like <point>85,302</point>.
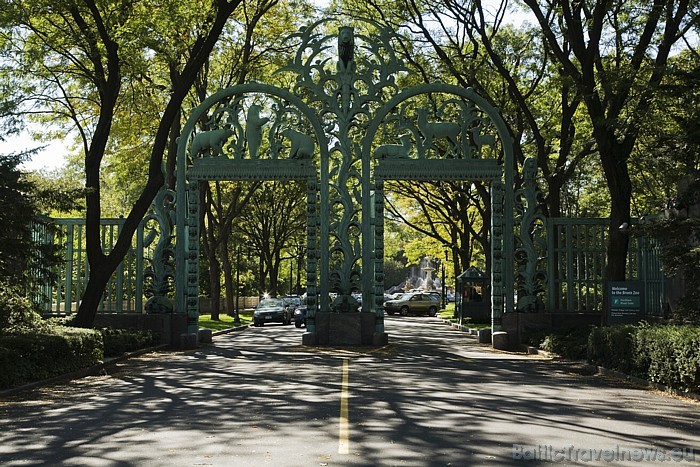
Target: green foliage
<point>32,356</point>
<point>119,341</point>
<point>26,260</point>
<point>16,217</point>
<point>569,342</point>
<point>670,355</point>
<point>395,272</point>
<point>679,241</point>
<point>612,347</point>
<point>16,311</point>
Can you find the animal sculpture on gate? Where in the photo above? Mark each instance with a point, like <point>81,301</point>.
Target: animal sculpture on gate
<point>301,146</point>
<point>253,130</point>
<point>437,130</point>
<point>211,140</point>
<point>400,151</point>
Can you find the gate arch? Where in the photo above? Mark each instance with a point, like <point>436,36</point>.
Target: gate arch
<point>238,168</point>
<point>345,110</point>
<point>466,169</point>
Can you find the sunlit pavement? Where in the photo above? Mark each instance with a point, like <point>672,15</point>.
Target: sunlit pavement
<point>433,397</point>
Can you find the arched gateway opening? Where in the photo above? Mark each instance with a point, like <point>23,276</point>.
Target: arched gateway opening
<point>346,127</point>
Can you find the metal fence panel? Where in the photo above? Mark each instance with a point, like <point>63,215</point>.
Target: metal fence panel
<point>124,292</point>
<point>577,250</point>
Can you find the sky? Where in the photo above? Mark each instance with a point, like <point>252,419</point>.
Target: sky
<point>51,157</point>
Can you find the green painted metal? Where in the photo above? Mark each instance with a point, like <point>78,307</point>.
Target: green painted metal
<point>345,129</point>
<point>576,265</point>
<point>338,129</point>
<point>531,250</point>
<point>124,292</point>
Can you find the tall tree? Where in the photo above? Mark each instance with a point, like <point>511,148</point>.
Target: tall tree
<point>87,49</point>
<point>276,215</point>
<point>616,53</point>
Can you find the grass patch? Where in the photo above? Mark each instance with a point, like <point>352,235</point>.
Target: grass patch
<point>225,321</point>
<point>449,315</point>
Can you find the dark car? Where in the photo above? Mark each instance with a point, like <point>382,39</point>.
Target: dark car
<point>414,303</point>
<point>271,310</point>
<point>300,314</point>
<point>291,302</point>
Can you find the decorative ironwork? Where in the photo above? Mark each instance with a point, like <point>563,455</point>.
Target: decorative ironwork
<point>161,270</point>
<point>531,250</point>
<point>348,116</point>
<point>498,264</point>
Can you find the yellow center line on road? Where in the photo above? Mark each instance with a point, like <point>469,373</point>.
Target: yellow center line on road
<point>343,424</point>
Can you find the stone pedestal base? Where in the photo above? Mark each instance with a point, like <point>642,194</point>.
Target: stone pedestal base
<point>308,338</point>
<point>500,340</point>
<point>205,336</point>
<point>380,339</point>
<point>188,341</point>
<point>483,336</point>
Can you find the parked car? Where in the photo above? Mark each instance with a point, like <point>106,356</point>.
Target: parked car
<point>291,302</point>
<point>414,303</point>
<point>300,314</point>
<point>271,310</point>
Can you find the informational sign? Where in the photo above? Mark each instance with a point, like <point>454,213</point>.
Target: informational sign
<point>626,300</point>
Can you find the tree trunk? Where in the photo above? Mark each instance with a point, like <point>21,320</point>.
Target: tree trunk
<point>103,266</point>
<point>92,297</point>
<point>215,285</point>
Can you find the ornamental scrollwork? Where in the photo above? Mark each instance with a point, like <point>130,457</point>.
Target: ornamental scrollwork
<point>160,272</point>
<point>531,247</point>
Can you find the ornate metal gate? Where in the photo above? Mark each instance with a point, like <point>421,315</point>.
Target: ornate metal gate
<point>347,125</point>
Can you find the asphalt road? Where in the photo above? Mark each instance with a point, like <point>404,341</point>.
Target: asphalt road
<point>433,397</point>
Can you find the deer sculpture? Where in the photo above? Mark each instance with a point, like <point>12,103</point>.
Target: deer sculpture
<point>395,150</point>
<point>437,130</point>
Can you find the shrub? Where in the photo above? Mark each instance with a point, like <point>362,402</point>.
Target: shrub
<point>16,311</point>
<point>670,355</point>
<point>32,356</point>
<point>568,342</point>
<point>119,341</point>
<point>612,347</point>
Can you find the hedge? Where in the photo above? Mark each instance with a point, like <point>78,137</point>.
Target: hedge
<point>613,347</point>
<point>668,355</point>
<point>119,341</point>
<point>27,357</point>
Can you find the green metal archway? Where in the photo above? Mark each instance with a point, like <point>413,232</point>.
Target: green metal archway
<point>345,128</point>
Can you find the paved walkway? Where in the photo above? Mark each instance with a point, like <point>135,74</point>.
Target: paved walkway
<point>433,397</point>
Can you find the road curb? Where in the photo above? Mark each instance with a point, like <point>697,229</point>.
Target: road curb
<point>649,384</point>
<point>100,367</point>
<point>530,350</point>
<point>233,329</point>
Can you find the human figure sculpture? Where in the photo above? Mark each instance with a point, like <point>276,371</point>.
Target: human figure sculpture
<point>253,130</point>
